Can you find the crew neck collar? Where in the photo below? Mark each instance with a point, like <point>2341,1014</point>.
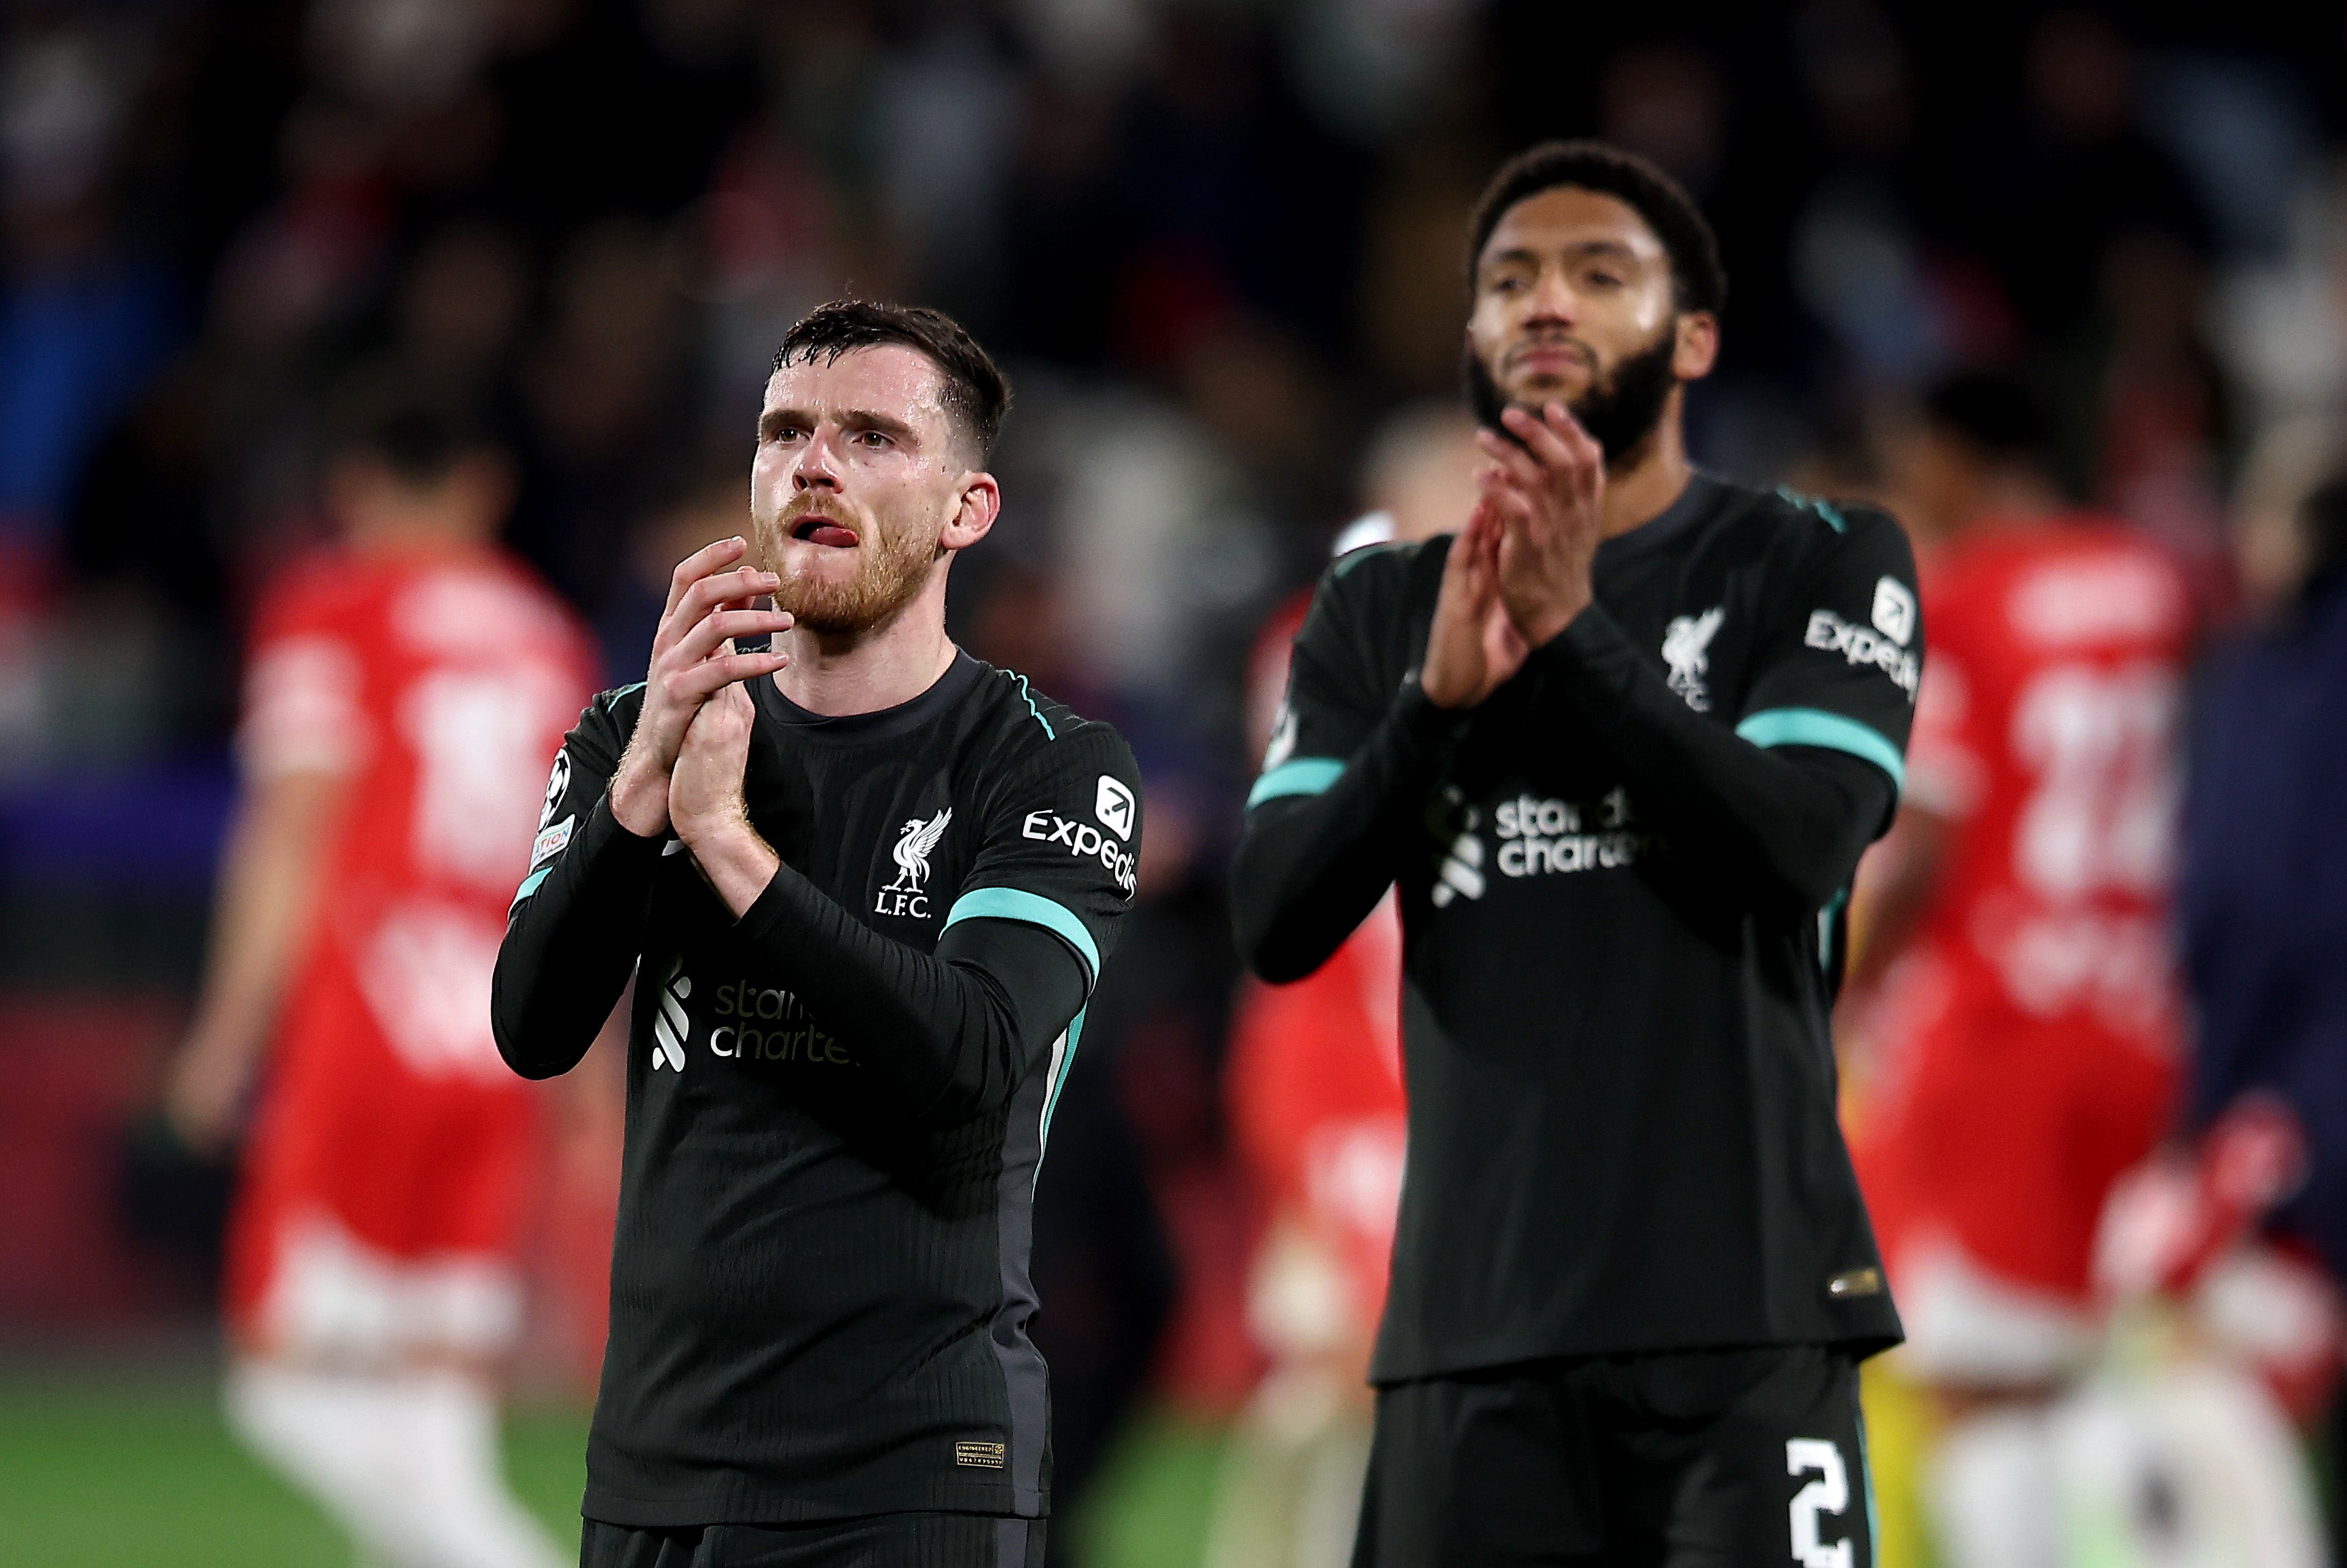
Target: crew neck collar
<point>881,723</point>
<point>1665,526</point>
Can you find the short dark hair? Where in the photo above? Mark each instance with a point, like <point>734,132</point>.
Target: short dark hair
<point>418,430</point>
<point>1994,410</point>
<point>1700,281</point>
<point>977,392</point>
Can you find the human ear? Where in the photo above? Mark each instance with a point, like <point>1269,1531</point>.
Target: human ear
<point>975,509</point>
<point>1696,346</point>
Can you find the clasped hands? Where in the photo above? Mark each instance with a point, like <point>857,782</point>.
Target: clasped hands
<point>683,767</point>
<point>1519,570</point>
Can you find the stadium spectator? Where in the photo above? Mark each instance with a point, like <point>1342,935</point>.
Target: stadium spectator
<point>403,695</point>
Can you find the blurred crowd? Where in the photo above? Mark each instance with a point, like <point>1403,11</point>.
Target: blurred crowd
<point>1217,244</point>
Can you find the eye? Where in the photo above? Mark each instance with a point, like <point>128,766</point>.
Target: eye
<point>1602,280</point>
<point>783,434</point>
<point>874,439</point>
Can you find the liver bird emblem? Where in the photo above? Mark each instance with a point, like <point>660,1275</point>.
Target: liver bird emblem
<point>912,851</point>
<point>1687,649</point>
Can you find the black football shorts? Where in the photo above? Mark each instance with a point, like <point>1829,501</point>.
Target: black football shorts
<point>879,1541</point>
<point>1710,1458</point>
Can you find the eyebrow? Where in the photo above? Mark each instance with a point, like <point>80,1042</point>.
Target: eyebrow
<point>1580,249</point>
<point>849,419</point>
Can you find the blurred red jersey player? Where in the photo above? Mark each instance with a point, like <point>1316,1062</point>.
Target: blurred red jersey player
<point>2018,963</point>
<point>1317,1107</point>
<point>403,695</point>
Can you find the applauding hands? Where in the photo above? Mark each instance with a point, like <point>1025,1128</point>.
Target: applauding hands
<point>696,718</point>
<point>1520,572</point>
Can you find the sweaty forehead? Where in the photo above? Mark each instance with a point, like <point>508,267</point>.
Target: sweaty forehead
<point>890,379</point>
<point>1568,217</point>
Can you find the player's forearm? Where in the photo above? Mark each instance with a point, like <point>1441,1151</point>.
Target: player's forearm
<point>1310,868</point>
<point>1797,820</point>
<point>269,881</point>
<point>957,1030</point>
<point>570,942</point>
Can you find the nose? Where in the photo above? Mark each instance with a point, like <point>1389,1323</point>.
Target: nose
<point>818,464</point>
<point>1552,299</point>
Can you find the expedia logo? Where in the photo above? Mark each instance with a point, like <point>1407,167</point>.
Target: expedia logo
<point>1084,841</point>
<point>1830,633</point>
<point>1114,805</point>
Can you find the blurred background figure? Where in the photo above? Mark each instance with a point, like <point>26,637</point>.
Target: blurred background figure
<point>1318,1108</point>
<point>401,696</point>
<point>2023,1010</point>
<point>2262,913</point>
<point>1216,246</point>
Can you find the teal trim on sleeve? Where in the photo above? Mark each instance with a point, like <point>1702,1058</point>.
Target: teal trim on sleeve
<point>1816,727</point>
<point>529,886</point>
<point>1067,1065</point>
<point>1025,691</point>
<point>1305,776</point>
<point>1017,903</point>
<point>1823,509</point>
<point>1826,917</point>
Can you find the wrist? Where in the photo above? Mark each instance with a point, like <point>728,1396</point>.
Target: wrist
<point>639,796</point>
<point>736,860</point>
<point>1548,623</point>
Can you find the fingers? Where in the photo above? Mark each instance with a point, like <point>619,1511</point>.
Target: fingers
<point>698,598</point>
<point>699,564</point>
<point>1507,458</point>
<point>701,640</point>
<point>695,684</point>
<point>1508,502</point>
<point>723,718</point>
<point>1575,436</point>
<point>1554,439</point>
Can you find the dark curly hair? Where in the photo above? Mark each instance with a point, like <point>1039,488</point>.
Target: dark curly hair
<point>1699,281</point>
<point>977,392</point>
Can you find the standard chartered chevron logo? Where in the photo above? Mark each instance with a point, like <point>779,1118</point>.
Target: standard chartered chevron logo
<point>1462,871</point>
<point>671,1026</point>
<point>1458,853</point>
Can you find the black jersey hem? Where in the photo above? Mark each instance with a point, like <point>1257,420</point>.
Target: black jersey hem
<point>1386,1371</point>
<point>748,1507</point>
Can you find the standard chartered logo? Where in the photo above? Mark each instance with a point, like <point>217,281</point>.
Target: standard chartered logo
<point>769,1024</point>
<point>673,1026</point>
<point>1538,835</point>
<point>753,1023</point>
<point>1459,853</point>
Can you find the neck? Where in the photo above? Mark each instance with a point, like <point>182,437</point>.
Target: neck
<point>1642,483</point>
<point>2016,496</point>
<point>840,673</point>
<point>414,539</point>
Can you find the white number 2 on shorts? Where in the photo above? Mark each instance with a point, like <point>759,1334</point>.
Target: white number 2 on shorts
<point>1829,1493</point>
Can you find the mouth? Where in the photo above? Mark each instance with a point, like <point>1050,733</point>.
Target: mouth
<point>817,530</point>
<point>1548,359</point>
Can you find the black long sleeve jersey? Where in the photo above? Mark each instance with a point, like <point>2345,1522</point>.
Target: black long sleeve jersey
<point>837,1105</point>
<point>1622,881</point>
